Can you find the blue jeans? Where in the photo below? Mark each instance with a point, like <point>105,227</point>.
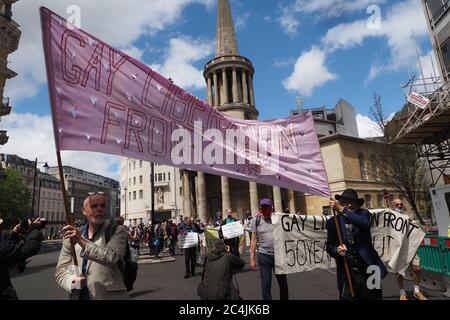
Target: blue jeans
<point>266,264</point>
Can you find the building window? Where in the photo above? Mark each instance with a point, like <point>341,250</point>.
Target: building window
<point>156,177</point>
<point>164,176</point>
<point>445,49</point>
<point>134,195</point>
<point>141,180</point>
<point>129,181</point>
<point>168,176</point>
<point>373,164</point>
<point>362,166</point>
<point>141,194</point>
<point>159,177</point>
<point>380,201</point>
<point>134,165</point>
<point>181,191</point>
<point>129,196</point>
<point>129,166</point>
<point>134,180</point>
<point>368,201</point>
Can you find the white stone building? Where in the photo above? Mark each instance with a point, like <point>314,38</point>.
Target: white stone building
<point>135,186</point>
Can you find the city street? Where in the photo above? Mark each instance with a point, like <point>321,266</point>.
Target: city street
<point>164,281</point>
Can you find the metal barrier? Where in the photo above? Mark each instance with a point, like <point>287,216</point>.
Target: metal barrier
<point>434,253</point>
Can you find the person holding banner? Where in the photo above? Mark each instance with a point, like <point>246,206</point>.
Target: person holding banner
<point>234,242</point>
<point>356,253</point>
<point>397,205</point>
<point>190,254</point>
<point>100,277</point>
<point>262,233</point>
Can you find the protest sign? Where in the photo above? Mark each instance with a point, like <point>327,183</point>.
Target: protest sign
<point>232,230</point>
<point>211,237</point>
<point>188,240</point>
<point>105,101</point>
<point>300,241</point>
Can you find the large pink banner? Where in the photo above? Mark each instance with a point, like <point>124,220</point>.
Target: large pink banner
<point>105,101</point>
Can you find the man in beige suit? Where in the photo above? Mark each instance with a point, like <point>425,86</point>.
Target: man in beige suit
<point>98,275</point>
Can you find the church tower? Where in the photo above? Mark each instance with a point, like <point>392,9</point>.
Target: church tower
<point>229,76</point>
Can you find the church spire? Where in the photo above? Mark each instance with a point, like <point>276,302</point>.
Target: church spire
<point>226,36</point>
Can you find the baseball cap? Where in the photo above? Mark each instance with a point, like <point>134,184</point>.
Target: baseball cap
<point>265,202</point>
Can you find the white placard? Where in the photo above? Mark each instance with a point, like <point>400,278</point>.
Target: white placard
<point>418,100</point>
<point>188,240</point>
<point>300,241</point>
<point>232,230</point>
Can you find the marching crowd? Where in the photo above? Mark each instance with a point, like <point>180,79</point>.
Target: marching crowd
<point>106,252</point>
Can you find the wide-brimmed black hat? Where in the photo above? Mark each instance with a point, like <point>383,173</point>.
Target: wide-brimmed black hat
<point>351,195</point>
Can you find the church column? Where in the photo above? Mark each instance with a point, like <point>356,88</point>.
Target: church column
<point>252,95</point>
<point>244,87</point>
<point>187,211</point>
<point>226,204</point>
<point>278,206</point>
<point>209,91</point>
<point>291,200</point>
<point>201,201</point>
<point>235,86</point>
<point>225,86</point>
<point>254,207</point>
<point>216,90</point>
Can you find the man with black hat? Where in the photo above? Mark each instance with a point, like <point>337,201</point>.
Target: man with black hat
<point>357,248</point>
<point>262,233</point>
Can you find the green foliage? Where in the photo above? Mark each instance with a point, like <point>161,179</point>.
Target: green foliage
<point>15,198</point>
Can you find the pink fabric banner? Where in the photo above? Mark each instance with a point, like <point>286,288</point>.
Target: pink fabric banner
<point>105,101</point>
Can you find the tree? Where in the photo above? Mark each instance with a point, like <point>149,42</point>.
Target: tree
<point>15,198</point>
<point>398,166</point>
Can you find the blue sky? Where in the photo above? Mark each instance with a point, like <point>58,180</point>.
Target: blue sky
<point>322,50</point>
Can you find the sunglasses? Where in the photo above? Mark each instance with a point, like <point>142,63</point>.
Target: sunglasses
<point>398,204</point>
<point>101,205</point>
<point>96,192</point>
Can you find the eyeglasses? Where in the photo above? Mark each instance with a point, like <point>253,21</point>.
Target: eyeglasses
<point>101,205</point>
<point>398,204</point>
<point>96,192</point>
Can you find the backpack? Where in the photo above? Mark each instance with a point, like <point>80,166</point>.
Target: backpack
<point>127,266</point>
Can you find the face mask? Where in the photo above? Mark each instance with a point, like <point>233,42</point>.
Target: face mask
<point>399,210</point>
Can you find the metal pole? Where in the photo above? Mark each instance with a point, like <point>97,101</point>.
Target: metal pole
<point>34,188</point>
<point>347,270</point>
<point>39,198</point>
<point>152,190</point>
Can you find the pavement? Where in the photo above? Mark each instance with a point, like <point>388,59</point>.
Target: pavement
<point>164,280</point>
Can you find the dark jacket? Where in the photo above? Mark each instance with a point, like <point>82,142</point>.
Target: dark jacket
<point>13,251</point>
<point>362,239</point>
<point>173,231</point>
<point>218,278</point>
<point>194,228</point>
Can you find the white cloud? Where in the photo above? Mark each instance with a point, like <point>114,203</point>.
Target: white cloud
<point>133,51</point>
<point>320,9</point>
<point>182,53</point>
<point>241,21</point>
<point>401,22</point>
<point>289,22</point>
<point>309,73</point>
<point>31,136</point>
<point>333,8</point>
<point>366,127</point>
<point>116,22</point>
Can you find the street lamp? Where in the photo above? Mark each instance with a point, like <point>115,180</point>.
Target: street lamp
<point>34,183</point>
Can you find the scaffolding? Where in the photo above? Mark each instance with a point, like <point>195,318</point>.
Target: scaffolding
<point>429,128</point>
